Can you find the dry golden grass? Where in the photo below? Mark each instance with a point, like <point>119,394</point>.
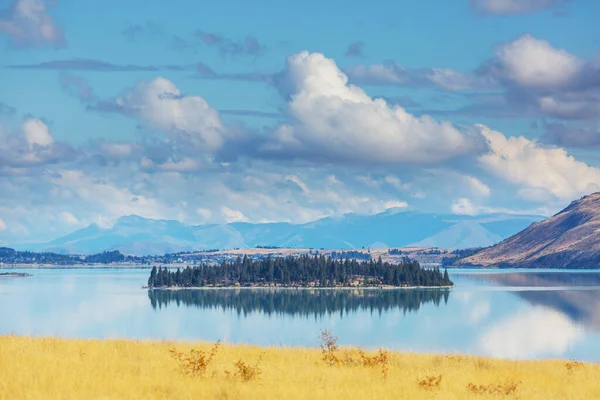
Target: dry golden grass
<point>119,369</point>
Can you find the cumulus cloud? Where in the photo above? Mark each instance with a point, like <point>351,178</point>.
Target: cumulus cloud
<point>27,23</point>
<point>536,332</point>
<point>532,62</point>
<point>36,132</point>
<point>528,77</point>
<point>162,105</point>
<point>499,7</point>
<point>531,166</point>
<point>334,121</point>
<point>32,146</point>
<point>542,80</point>
<point>2,225</point>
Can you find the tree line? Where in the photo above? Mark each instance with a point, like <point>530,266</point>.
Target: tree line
<point>305,271</point>
<point>12,256</point>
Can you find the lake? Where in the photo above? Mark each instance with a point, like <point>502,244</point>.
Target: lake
<point>509,313</point>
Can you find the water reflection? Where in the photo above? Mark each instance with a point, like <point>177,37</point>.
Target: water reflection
<point>531,333</point>
<point>299,302</point>
<point>574,294</point>
<point>509,314</point>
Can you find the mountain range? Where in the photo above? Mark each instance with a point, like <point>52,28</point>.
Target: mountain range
<point>569,239</point>
<point>393,228</point>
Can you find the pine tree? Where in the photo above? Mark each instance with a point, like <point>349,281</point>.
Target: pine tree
<point>152,279</point>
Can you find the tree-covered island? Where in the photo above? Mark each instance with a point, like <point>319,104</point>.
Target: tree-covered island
<point>303,271</point>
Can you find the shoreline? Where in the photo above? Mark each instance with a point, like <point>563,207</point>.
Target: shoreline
<point>296,288</point>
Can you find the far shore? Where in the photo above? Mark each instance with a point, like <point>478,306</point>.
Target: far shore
<point>13,275</point>
<point>76,266</point>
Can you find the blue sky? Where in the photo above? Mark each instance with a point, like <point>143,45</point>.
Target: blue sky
<point>278,111</point>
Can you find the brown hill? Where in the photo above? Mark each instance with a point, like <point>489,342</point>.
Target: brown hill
<point>569,239</point>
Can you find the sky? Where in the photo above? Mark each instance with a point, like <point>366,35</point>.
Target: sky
<point>262,111</point>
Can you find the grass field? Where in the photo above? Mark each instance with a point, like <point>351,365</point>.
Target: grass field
<point>48,368</point>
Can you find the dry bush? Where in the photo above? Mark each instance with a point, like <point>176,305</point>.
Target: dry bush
<point>245,372</point>
<point>572,366</point>
<point>196,362</point>
<point>329,347</point>
<point>381,359</point>
<point>350,361</point>
<point>500,389</point>
<point>430,382</point>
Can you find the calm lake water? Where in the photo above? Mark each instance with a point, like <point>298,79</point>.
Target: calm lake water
<point>508,314</point>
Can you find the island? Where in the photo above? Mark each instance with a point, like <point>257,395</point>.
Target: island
<point>308,271</point>
<point>13,275</point>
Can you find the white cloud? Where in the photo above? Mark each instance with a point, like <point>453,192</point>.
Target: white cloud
<point>103,194</point>
<point>464,207</point>
<point>28,23</point>
<point>395,182</point>
<point>523,162</point>
<point>535,332</point>
<point>36,132</point>
<point>68,218</point>
<point>298,182</point>
<point>2,225</point>
<point>395,204</point>
<point>335,121</point>
<point>205,213</point>
<point>513,6</point>
<point>534,62</point>
<point>160,103</point>
<point>477,187</point>
<point>233,215</point>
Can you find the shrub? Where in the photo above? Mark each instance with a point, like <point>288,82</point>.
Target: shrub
<point>244,371</point>
<point>381,359</point>
<point>430,382</point>
<point>329,347</point>
<point>196,362</point>
<point>572,366</point>
<point>501,389</point>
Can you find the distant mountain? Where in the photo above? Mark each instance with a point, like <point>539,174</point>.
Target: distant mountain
<point>462,235</point>
<point>569,239</point>
<point>393,228</point>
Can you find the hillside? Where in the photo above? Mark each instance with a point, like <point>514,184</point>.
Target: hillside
<point>569,239</point>
<point>140,236</point>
